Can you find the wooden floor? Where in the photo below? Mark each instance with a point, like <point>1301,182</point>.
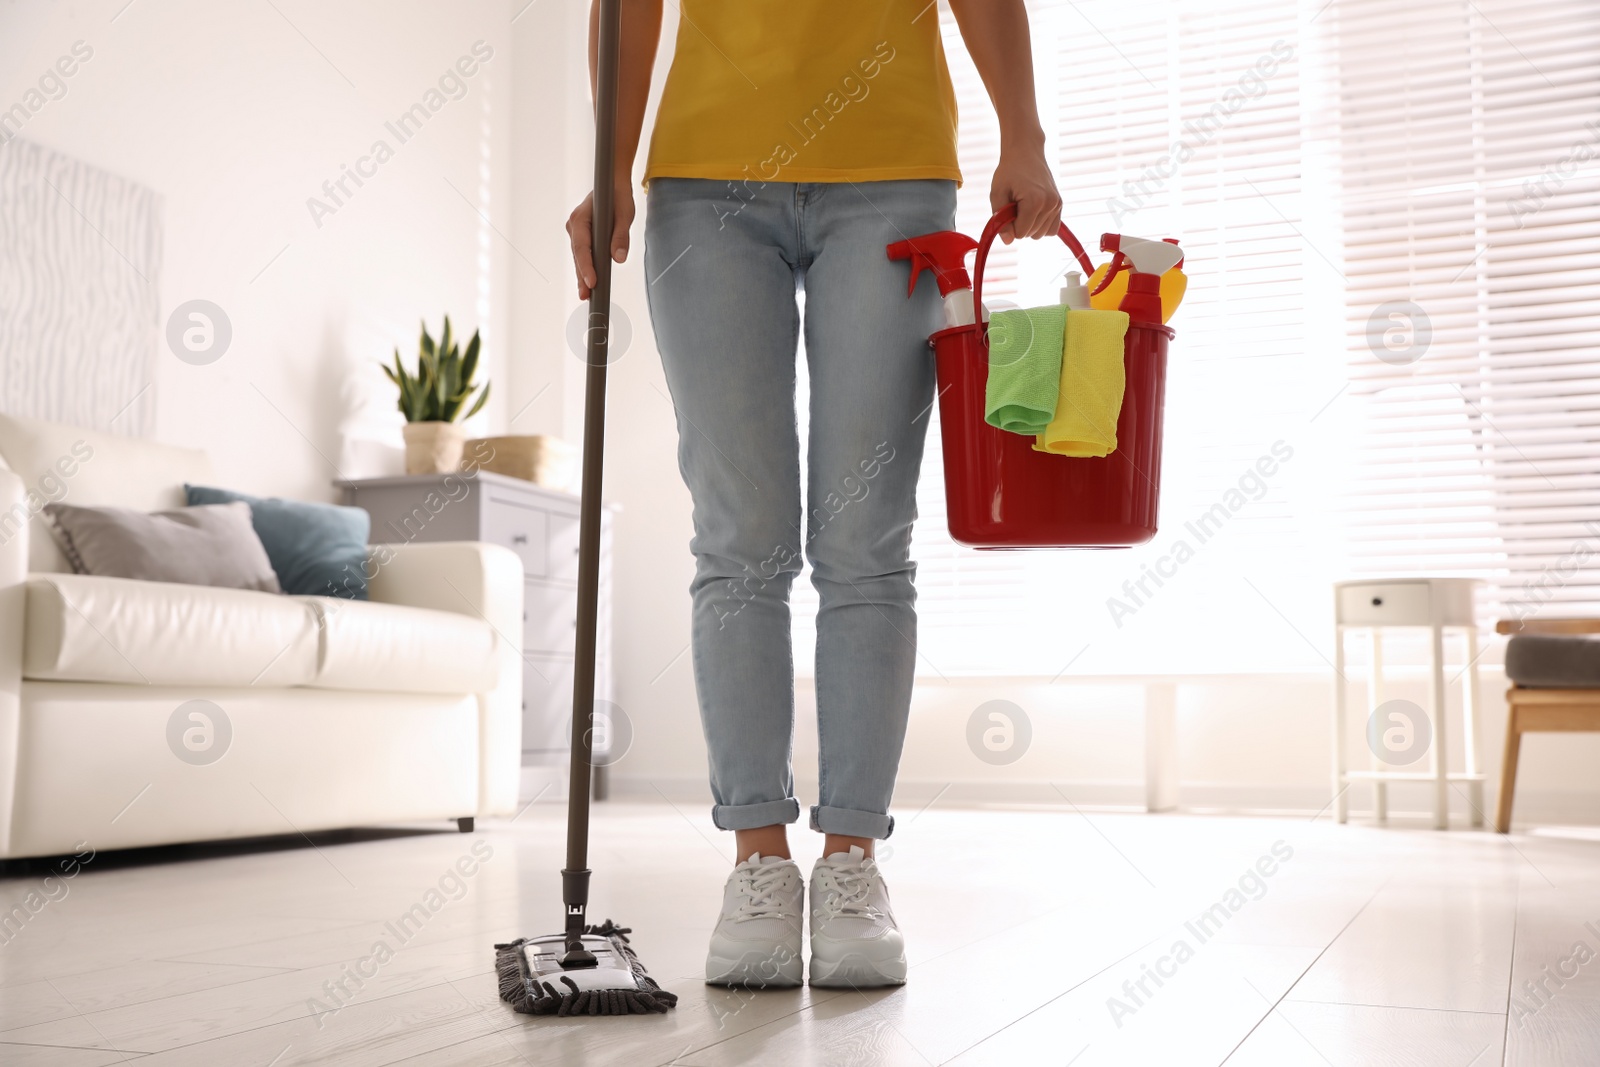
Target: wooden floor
<point>1035,937</point>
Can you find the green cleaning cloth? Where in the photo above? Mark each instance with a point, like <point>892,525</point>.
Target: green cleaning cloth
<point>1024,368</point>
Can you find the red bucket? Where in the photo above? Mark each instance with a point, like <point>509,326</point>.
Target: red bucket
<point>1000,493</point>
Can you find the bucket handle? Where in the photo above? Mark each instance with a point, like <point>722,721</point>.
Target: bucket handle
<point>990,232</point>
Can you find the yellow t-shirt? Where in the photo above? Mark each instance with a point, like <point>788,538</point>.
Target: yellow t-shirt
<point>806,91</point>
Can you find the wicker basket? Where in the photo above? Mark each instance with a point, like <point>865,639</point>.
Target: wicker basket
<point>545,461</point>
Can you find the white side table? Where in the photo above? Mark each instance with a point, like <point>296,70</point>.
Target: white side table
<point>1437,605</point>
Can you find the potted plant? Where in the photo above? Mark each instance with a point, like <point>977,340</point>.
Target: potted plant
<point>433,398</point>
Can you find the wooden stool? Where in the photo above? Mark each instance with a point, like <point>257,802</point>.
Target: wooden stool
<point>1564,710</point>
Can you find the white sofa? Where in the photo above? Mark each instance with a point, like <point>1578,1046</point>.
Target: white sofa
<point>333,713</point>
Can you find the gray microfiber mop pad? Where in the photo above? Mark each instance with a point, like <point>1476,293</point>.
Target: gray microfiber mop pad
<point>618,986</point>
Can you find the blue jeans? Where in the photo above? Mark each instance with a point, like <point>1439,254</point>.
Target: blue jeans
<point>723,261</point>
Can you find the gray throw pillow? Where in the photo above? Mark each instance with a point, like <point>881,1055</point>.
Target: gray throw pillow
<point>210,545</point>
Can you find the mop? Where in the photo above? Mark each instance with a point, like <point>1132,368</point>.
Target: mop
<point>587,969</point>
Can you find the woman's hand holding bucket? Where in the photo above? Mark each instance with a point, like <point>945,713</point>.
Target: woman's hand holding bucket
<point>997,39</point>
<point>1023,178</point>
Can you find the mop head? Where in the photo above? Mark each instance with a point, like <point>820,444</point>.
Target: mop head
<point>529,967</point>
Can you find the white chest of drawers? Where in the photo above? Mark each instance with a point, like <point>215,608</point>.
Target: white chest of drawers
<point>541,527</point>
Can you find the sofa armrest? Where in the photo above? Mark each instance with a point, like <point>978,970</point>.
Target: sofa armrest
<point>485,581</point>
<point>14,518</point>
<point>466,577</point>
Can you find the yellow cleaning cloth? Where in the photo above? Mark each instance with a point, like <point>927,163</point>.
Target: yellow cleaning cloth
<point>1092,381</point>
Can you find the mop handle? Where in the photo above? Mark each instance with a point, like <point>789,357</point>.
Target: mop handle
<point>990,232</point>
<point>575,876</point>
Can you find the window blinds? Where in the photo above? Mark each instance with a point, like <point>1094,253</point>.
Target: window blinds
<point>1471,180</point>
<point>1394,253</point>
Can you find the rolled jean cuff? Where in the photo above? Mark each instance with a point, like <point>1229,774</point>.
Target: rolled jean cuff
<point>851,823</point>
<point>750,816</point>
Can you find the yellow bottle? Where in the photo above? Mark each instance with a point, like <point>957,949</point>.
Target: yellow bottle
<point>1174,283</point>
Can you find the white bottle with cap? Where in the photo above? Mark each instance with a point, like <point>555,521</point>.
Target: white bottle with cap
<point>1075,295</point>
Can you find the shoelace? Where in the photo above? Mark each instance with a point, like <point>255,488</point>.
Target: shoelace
<point>759,889</point>
<point>845,892</point>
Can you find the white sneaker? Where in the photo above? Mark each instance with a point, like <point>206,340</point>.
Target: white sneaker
<point>854,940</point>
<point>757,939</point>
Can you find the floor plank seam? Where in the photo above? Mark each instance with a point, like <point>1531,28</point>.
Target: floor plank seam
<point>1511,968</point>
<point>171,996</point>
<point>1307,970</point>
<point>1004,929</point>
<point>1397,1007</point>
<point>420,1029</point>
<point>251,944</point>
<point>1058,996</point>
<point>304,1018</point>
<point>82,1048</point>
<point>812,1002</point>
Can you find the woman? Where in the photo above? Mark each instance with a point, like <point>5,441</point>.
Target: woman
<point>794,141</point>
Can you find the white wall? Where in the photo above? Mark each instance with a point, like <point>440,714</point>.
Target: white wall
<point>238,114</point>
<point>550,172</point>
<point>654,683</point>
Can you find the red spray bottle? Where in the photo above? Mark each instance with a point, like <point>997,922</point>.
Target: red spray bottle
<point>944,253</point>
<point>1146,261</point>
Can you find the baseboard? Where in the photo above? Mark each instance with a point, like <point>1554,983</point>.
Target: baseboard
<point>1558,807</point>
<point>1229,798</point>
<point>674,790</point>
<point>543,784</point>
<point>1408,803</point>
<point>1100,794</point>
<point>913,794</point>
